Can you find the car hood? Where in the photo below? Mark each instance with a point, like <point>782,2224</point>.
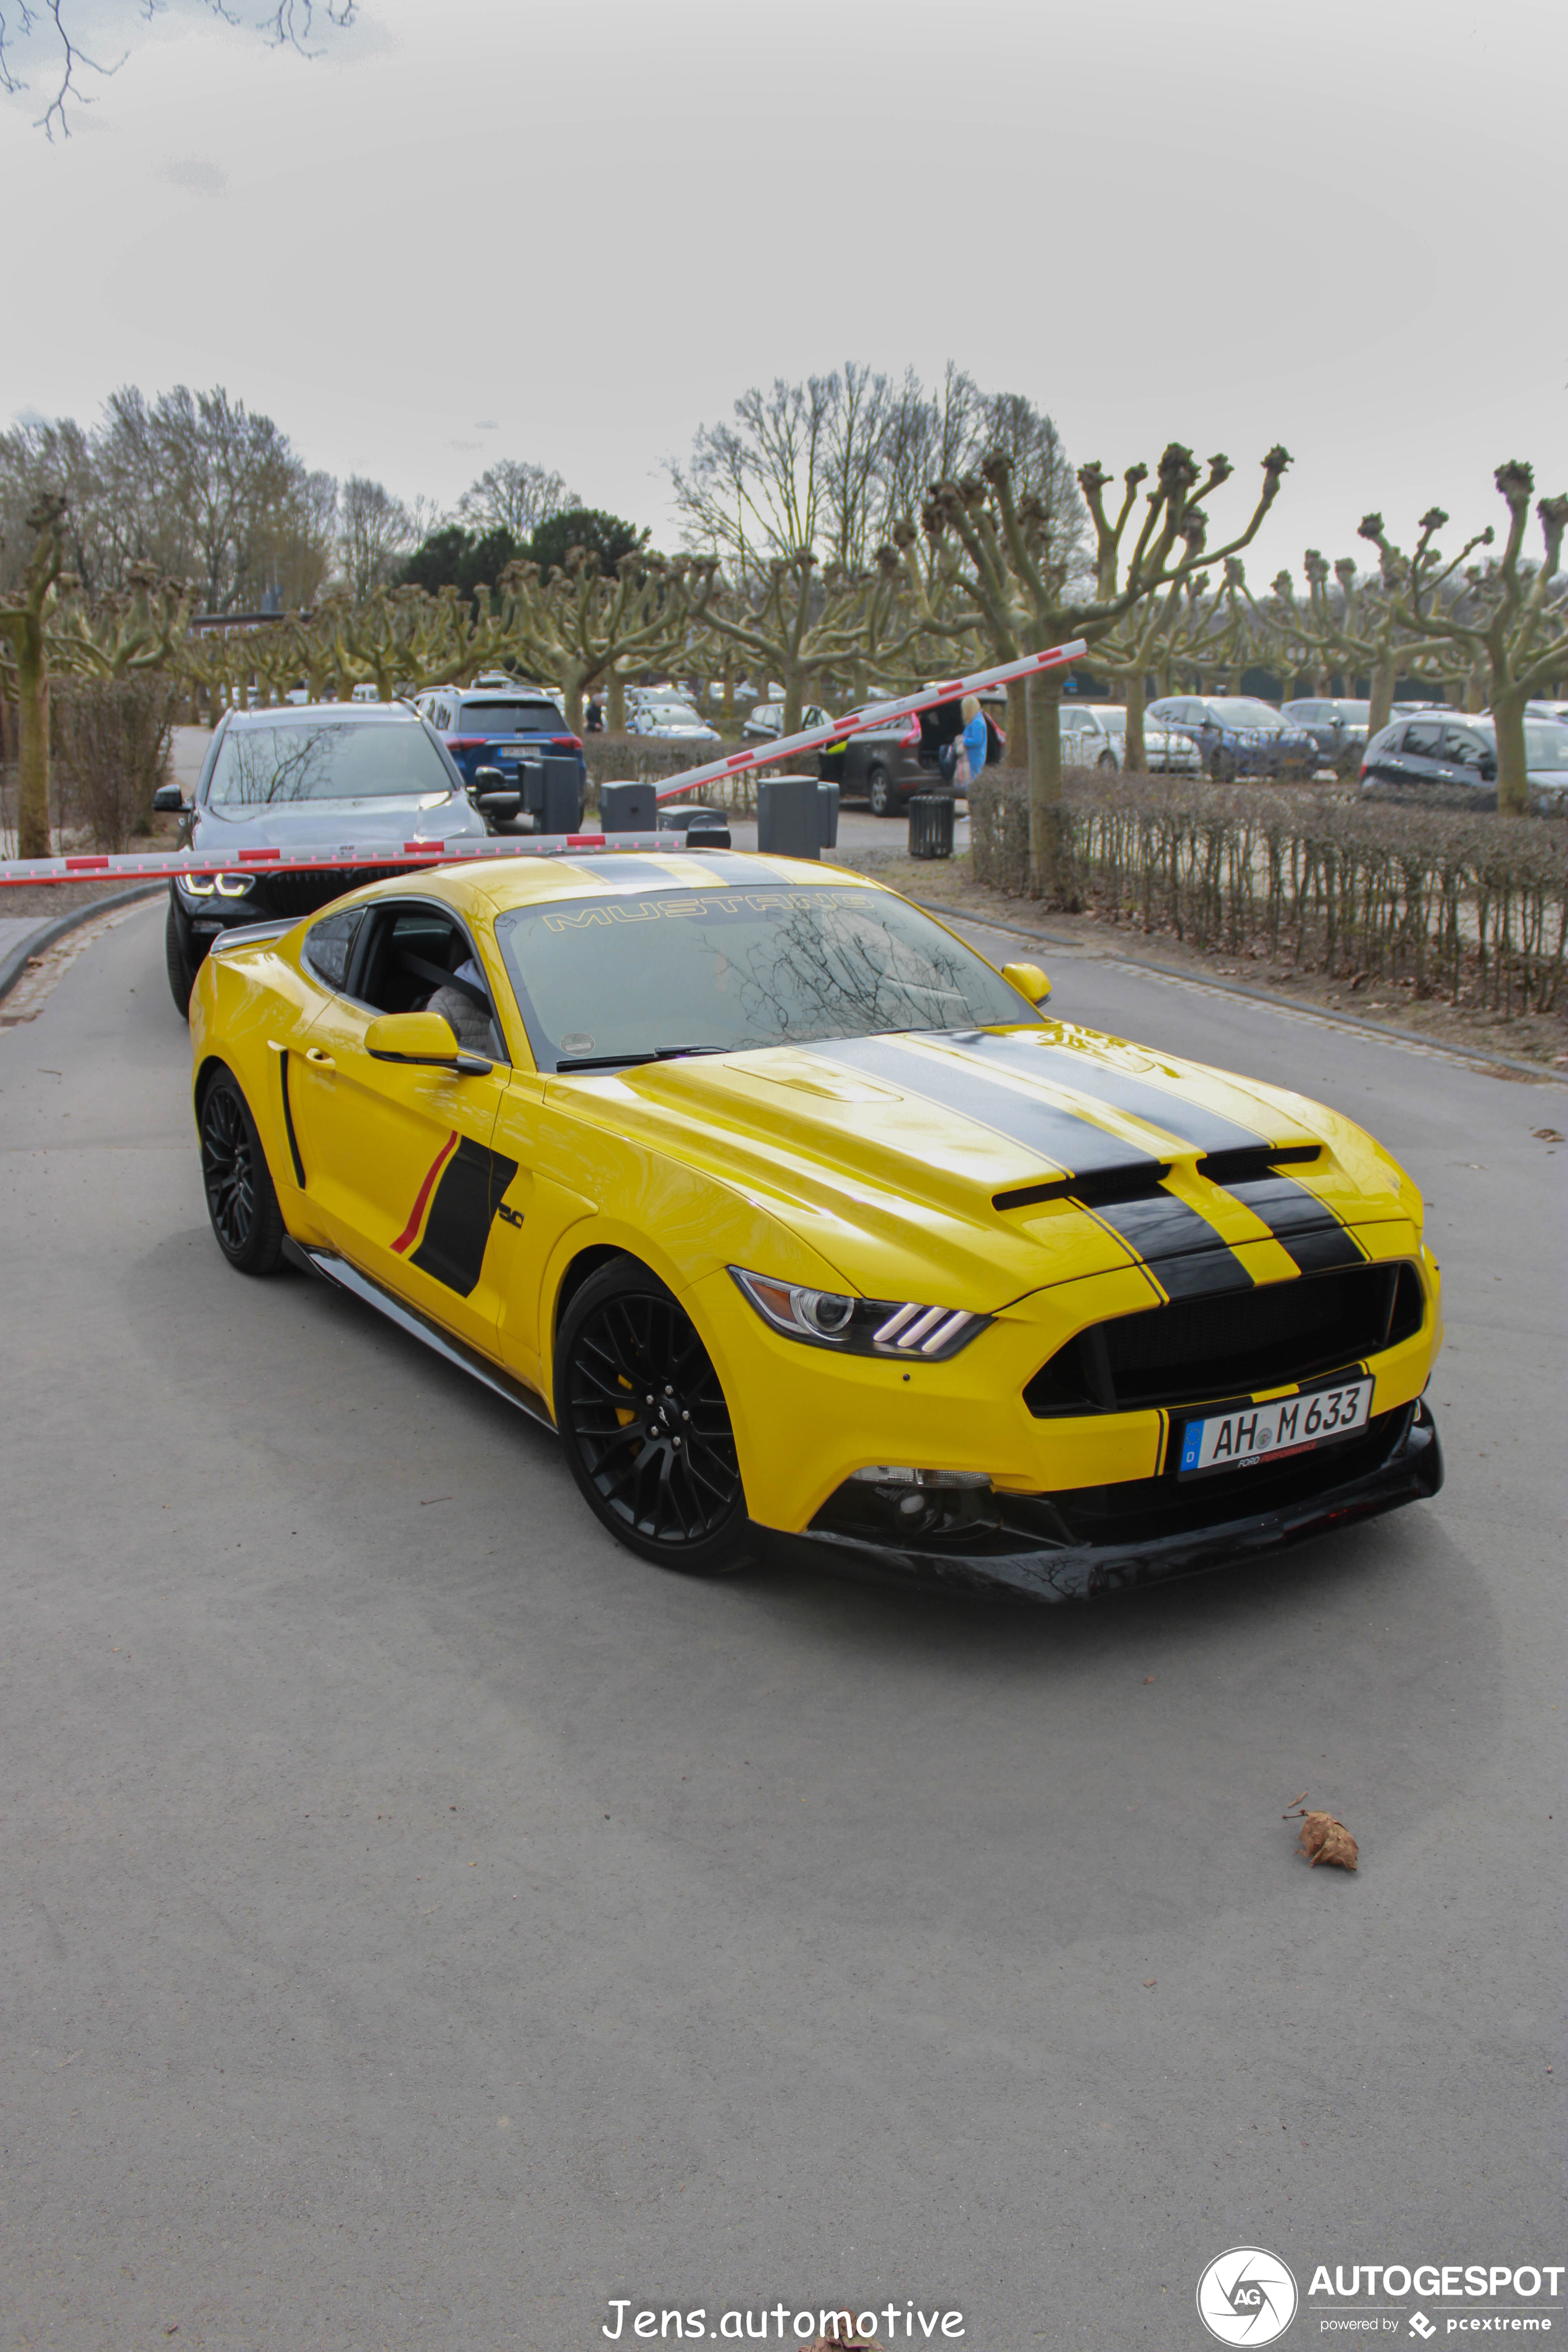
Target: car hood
<point>309,824</point>
<point>939,1165</point>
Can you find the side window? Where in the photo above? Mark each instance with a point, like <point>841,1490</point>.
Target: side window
<point>1424,742</point>
<point>1461,748</point>
<point>330,943</point>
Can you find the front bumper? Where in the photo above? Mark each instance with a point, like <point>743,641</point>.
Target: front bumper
<point>1084,1543</point>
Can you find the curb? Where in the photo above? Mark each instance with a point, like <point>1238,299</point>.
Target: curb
<point>1478,1054</point>
<point>15,963</point>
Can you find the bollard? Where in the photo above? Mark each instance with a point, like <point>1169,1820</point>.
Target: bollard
<point>789,818</point>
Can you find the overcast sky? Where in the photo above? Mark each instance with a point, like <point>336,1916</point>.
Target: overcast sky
<point>571,232</point>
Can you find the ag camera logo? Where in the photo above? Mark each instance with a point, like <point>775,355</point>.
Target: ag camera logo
<point>1246,2296</point>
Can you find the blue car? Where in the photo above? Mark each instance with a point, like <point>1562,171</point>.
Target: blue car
<point>1239,736</point>
<point>494,727</point>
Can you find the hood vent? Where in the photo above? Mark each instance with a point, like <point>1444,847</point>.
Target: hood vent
<point>1097,1188</point>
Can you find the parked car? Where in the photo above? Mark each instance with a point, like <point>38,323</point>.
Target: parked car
<point>767,719</point>
<point>671,721</point>
<point>1438,761</point>
<point>885,764</point>
<point>493,728</point>
<point>1094,735</point>
<point>1237,736</point>
<point>283,779</point>
<point>1336,728</point>
<point>364,692</point>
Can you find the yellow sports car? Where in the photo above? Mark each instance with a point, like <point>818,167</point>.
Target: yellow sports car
<point>790,1213</point>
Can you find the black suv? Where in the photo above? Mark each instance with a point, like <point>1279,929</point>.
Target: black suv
<point>349,772</point>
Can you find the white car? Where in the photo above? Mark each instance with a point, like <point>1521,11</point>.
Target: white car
<point>1094,735</point>
<point>671,720</point>
<point>767,719</point>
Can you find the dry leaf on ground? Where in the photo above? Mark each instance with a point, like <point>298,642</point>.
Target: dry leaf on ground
<point>1322,1838</point>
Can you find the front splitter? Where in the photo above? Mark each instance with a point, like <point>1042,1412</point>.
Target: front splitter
<point>982,1561</point>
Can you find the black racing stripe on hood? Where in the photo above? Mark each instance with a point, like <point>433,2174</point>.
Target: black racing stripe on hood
<point>1118,1089</point>
<point>1179,1247</point>
<point>1055,1133</point>
<point>1306,1229</point>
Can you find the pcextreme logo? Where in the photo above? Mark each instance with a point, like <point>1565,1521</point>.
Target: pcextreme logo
<point>1246,2296</point>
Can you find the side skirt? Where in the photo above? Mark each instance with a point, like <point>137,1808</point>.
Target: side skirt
<point>330,1267</point>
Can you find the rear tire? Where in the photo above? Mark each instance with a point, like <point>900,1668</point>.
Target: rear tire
<point>1222,768</point>
<point>241,1201</point>
<point>181,971</point>
<point>645,1426</point>
<point>879,791</point>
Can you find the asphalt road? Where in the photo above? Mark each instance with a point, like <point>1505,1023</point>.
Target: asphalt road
<point>422,1923</point>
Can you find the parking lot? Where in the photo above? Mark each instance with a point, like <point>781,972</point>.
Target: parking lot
<point>425,1924</point>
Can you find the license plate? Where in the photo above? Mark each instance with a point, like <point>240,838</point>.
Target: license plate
<point>1265,1433</point>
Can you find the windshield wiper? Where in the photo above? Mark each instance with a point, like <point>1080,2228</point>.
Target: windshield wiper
<point>622,1061</point>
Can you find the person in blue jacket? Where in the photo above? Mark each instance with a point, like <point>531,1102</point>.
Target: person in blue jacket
<point>972,739</point>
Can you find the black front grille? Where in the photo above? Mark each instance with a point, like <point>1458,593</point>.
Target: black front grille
<point>1233,1346</point>
<point>300,894</point>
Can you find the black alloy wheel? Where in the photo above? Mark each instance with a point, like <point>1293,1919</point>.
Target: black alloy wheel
<point>644,1422</point>
<point>241,1200</point>
<point>880,794</point>
<point>181,969</point>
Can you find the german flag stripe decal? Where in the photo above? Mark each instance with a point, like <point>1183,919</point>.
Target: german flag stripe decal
<point>412,1227</point>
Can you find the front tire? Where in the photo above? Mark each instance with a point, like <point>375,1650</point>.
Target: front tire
<point>644,1425</point>
<point>241,1201</point>
<point>1222,767</point>
<point>880,794</point>
<point>181,971</point>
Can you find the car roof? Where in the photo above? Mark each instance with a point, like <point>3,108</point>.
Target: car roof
<point>334,714</point>
<point>494,886</point>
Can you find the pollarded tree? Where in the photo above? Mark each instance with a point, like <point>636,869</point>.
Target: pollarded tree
<point>575,627</point>
<point>1515,619</point>
<point>1009,583</point>
<point>47,631</point>
<point>804,628</point>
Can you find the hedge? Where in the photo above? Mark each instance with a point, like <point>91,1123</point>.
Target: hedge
<point>1473,907</point>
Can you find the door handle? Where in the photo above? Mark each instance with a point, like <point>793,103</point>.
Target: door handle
<point>323,1061</point>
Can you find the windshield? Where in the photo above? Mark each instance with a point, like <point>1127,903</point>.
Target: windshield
<point>624,979</point>
<point>337,761</point>
<point>1240,710</point>
<point>1545,746</point>
<point>509,718</point>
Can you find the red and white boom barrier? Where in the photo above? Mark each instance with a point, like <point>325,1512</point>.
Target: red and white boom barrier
<point>134,866</point>
<point>816,738</point>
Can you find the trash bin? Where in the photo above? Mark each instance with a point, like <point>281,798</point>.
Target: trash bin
<point>930,825</point>
<point>827,808</point>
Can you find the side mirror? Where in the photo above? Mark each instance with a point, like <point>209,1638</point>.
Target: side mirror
<point>488,780</point>
<point>169,801</point>
<point>425,1039</point>
<point>1029,979</point>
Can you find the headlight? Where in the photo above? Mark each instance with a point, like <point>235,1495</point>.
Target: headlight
<point>860,1327</point>
<point>203,886</point>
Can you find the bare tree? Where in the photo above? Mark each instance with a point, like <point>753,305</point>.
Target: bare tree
<point>374,531</point>
<point>516,496</point>
<point>1515,621</point>
<point>47,36</point>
